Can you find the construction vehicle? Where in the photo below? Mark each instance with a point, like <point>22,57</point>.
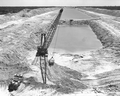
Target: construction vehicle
<point>15,82</point>
<point>42,50</point>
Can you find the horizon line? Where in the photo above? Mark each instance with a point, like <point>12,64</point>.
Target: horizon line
<point>59,6</point>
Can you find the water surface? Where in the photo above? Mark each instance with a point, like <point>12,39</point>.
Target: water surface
<point>74,39</point>
<point>70,13</point>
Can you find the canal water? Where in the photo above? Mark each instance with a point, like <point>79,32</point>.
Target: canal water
<point>74,38</point>
<point>70,13</point>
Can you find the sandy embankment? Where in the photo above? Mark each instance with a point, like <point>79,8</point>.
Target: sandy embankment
<point>102,63</point>
<point>18,51</point>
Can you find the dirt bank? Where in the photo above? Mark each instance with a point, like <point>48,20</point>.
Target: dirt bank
<point>19,38</point>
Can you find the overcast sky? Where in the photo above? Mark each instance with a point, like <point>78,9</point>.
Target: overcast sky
<point>59,2</point>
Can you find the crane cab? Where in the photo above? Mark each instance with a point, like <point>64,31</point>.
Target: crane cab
<point>51,61</point>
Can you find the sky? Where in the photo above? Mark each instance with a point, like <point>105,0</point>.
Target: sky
<point>59,2</point>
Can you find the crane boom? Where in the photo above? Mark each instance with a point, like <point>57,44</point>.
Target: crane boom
<point>51,30</point>
<point>42,50</point>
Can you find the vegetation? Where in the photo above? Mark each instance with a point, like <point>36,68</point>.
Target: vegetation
<point>5,10</point>
<point>107,7</point>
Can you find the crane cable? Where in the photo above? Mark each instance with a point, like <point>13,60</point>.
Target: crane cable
<point>55,41</point>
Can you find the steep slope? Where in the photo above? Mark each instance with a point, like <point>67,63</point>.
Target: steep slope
<point>19,37</point>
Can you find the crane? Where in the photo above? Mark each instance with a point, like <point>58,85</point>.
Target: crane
<point>42,50</point>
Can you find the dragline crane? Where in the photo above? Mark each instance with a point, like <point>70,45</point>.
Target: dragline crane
<point>42,50</point>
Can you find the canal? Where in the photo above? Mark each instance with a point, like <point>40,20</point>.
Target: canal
<point>74,38</point>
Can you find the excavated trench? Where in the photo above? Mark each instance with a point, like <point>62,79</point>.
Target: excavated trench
<point>71,38</point>
<point>75,39</point>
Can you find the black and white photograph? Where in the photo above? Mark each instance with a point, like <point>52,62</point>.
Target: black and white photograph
<point>59,47</point>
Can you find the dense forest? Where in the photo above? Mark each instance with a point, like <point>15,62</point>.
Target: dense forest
<point>5,10</point>
<point>101,7</point>
<point>107,7</point>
